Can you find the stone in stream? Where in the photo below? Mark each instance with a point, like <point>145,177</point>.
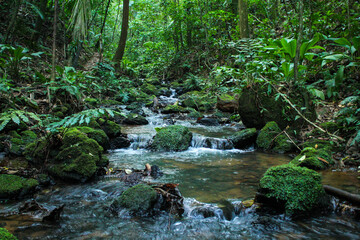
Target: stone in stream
<point>119,142</point>
<point>12,186</point>
<point>297,190</point>
<point>172,138</point>
<point>227,103</point>
<point>208,121</point>
<point>270,138</point>
<point>314,158</point>
<point>244,138</point>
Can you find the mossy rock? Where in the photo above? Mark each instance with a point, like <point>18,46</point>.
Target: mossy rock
<point>314,158</point>
<point>269,139</point>
<point>227,103</point>
<point>109,102</point>
<point>38,151</point>
<point>139,199</point>
<point>12,186</point>
<point>256,107</point>
<point>135,119</point>
<point>172,138</point>
<point>291,188</point>
<point>19,142</point>
<point>149,89</point>
<point>199,101</point>
<point>331,127</point>
<point>174,109</point>
<point>5,235</point>
<point>194,114</point>
<point>98,135</point>
<point>111,128</point>
<point>79,159</point>
<point>244,138</point>
<point>91,101</point>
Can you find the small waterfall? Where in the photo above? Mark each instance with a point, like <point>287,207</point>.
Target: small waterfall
<point>164,100</point>
<point>139,140</point>
<point>199,141</point>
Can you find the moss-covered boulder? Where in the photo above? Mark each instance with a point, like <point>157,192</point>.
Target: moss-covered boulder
<point>172,138</point>
<point>19,141</point>
<point>244,138</point>
<point>199,101</point>
<point>5,235</point>
<point>227,103</point>
<point>269,139</point>
<point>12,186</point>
<point>79,158</point>
<point>257,107</point>
<point>135,119</point>
<point>175,109</point>
<point>92,101</point>
<point>97,134</point>
<point>316,159</point>
<point>194,114</point>
<point>291,188</point>
<point>149,89</point>
<point>139,200</point>
<point>111,128</point>
<point>61,111</point>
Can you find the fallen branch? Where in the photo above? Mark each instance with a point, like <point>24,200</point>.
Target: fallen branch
<point>300,114</point>
<point>353,198</point>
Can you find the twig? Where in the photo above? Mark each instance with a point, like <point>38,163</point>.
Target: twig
<point>291,140</point>
<point>300,114</point>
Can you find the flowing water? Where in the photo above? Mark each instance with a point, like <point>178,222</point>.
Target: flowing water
<point>210,173</point>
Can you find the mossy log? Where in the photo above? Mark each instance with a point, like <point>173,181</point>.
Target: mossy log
<point>353,198</point>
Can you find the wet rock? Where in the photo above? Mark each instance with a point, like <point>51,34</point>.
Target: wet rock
<point>156,172</point>
<point>208,121</point>
<point>33,208</point>
<point>316,159</point>
<point>291,188</point>
<point>227,103</point>
<point>172,138</point>
<point>97,134</point>
<point>244,138</point>
<point>203,212</point>
<point>12,186</point>
<point>135,119</point>
<point>139,200</point>
<point>174,109</point>
<point>4,234</point>
<point>269,138</point>
<point>18,142</point>
<point>119,142</point>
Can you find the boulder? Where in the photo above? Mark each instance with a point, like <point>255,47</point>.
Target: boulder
<point>269,139</point>
<point>256,108</point>
<point>119,142</point>
<point>197,100</point>
<point>139,200</point>
<point>79,158</point>
<point>5,235</point>
<point>291,188</point>
<point>172,138</point>
<point>244,138</point>
<point>111,128</point>
<point>18,142</point>
<point>174,109</point>
<point>12,186</point>
<point>227,103</point>
<point>316,159</point>
<point>97,134</point>
<point>135,119</point>
<point>208,121</point>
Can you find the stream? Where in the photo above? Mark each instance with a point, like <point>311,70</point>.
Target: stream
<point>210,175</point>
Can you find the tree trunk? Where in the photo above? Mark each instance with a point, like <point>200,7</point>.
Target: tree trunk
<point>99,42</point>
<point>53,75</point>
<point>12,23</point>
<point>353,198</point>
<point>243,19</point>
<point>299,39</point>
<point>124,30</point>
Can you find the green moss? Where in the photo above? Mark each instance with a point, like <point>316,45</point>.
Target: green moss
<point>298,188</point>
<point>14,134</point>
<point>198,100</point>
<point>91,101</point>
<point>73,136</point>
<point>98,135</point>
<point>174,109</point>
<point>282,144</point>
<point>149,89</point>
<point>137,199</point>
<point>110,102</point>
<point>194,114</point>
<point>111,128</point>
<point>267,135</point>
<point>309,157</point>
<point>12,186</point>
<point>5,235</point>
<point>172,138</point>
<point>37,151</point>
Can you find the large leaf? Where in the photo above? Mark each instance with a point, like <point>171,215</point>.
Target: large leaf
<point>289,46</point>
<point>356,42</point>
<point>334,57</point>
<point>306,46</point>
<point>339,77</point>
<point>343,42</point>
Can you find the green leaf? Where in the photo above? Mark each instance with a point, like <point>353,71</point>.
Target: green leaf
<point>289,46</point>
<point>306,46</point>
<point>343,42</point>
<point>4,123</point>
<point>15,119</point>
<point>356,42</point>
<point>334,57</point>
<point>339,77</point>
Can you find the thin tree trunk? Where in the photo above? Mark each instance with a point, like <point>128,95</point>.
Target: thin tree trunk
<point>124,30</point>
<point>100,41</point>
<point>243,19</point>
<point>53,75</point>
<point>13,19</point>
<point>299,39</point>
<point>115,26</point>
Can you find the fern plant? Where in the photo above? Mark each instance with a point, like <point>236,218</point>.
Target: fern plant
<point>82,117</point>
<point>17,116</point>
